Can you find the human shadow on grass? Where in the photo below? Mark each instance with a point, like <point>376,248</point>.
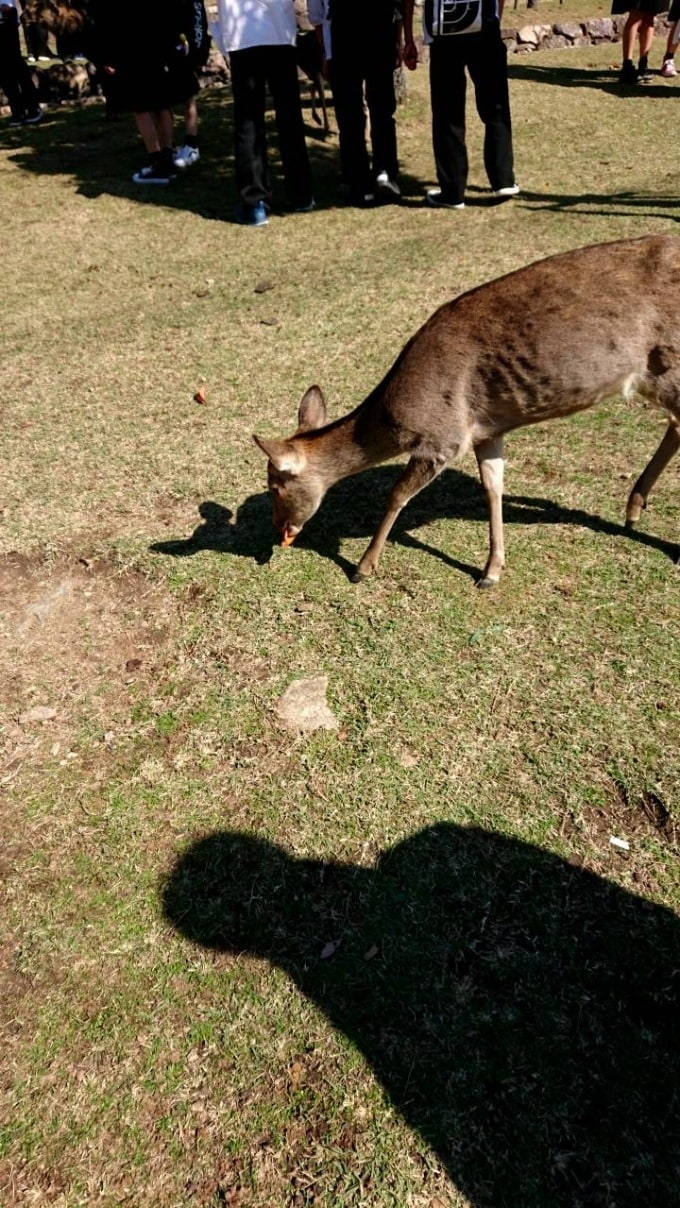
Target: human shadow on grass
<point>354,507</point>
<point>604,80</point>
<point>101,156</point>
<point>522,1014</point>
<point>621,204</point>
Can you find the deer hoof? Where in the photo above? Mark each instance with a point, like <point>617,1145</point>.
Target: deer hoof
<point>482,584</point>
<point>357,577</point>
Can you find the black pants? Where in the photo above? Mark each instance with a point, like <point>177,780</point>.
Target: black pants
<point>35,33</point>
<point>485,56</point>
<point>251,71</point>
<point>369,61</point>
<point>16,79</point>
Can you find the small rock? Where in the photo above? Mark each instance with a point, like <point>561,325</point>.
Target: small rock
<point>303,705</point>
<point>37,713</point>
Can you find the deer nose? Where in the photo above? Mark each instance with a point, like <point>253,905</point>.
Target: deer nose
<point>288,534</point>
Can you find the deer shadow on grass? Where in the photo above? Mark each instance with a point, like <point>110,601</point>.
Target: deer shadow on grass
<point>354,507</point>
<point>522,1014</point>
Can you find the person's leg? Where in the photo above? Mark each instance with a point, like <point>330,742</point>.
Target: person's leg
<point>447,97</point>
<point>248,87</point>
<point>188,154</point>
<point>37,45</point>
<point>348,101</point>
<point>382,103</point>
<point>488,67</point>
<point>146,125</point>
<point>628,74</point>
<point>282,77</point>
<point>668,68</point>
<point>645,38</point>
<point>15,75</point>
<point>155,128</point>
<point>191,121</point>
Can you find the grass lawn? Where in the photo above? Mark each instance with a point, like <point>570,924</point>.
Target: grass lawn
<point>393,963</point>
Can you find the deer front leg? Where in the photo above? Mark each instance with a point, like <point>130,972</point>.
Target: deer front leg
<point>489,454</point>
<point>417,474</point>
<point>637,500</point>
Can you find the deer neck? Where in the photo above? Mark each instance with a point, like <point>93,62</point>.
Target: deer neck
<point>351,444</point>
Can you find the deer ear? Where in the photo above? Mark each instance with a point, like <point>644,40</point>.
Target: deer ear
<point>282,454</point>
<point>312,410</point>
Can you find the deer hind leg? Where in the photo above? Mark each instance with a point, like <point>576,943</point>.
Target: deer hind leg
<point>417,474</point>
<point>489,454</point>
<point>637,500</point>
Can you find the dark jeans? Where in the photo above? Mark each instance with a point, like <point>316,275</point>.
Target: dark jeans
<point>252,70</point>
<point>485,56</point>
<point>354,64</point>
<point>16,79</point>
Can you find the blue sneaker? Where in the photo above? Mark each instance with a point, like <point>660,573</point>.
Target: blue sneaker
<point>252,215</point>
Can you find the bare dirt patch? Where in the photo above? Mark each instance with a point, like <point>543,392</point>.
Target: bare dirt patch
<point>74,638</point>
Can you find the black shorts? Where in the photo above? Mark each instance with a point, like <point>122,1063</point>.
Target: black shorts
<point>145,89</point>
<point>641,6</point>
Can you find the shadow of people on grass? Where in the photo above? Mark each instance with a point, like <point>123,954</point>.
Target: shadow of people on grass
<point>354,507</point>
<point>101,156</point>
<point>522,1014</point>
<point>602,78</point>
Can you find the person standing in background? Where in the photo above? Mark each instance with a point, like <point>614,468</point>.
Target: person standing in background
<point>460,36</point>
<point>668,68</point>
<point>640,25</point>
<point>360,39</point>
<point>199,49</point>
<point>260,42</point>
<point>16,79</point>
<point>145,71</point>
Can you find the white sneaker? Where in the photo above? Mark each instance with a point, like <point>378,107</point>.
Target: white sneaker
<point>507,191</point>
<point>434,198</point>
<point>386,187</point>
<point>669,70</point>
<point>185,157</point>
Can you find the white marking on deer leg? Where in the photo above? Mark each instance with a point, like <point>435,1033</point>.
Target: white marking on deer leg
<point>489,456</point>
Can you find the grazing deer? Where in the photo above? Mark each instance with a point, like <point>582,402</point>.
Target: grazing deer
<point>545,341</point>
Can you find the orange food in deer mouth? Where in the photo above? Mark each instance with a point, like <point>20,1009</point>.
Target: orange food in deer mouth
<point>287,538</point>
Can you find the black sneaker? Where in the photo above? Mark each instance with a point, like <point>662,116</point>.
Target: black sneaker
<point>33,118</point>
<point>628,73</point>
<point>644,73</point>
<point>153,174</point>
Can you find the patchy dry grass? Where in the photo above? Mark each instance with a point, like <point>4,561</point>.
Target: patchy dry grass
<point>397,963</point>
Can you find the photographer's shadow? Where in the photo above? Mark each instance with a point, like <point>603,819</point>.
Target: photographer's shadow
<point>522,1014</point>
<point>354,507</point>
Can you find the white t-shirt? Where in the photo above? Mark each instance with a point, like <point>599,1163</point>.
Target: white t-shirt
<point>246,23</point>
<point>317,11</point>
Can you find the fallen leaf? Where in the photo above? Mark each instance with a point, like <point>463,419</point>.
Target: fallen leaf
<point>263,286</point>
<point>373,951</point>
<point>199,396</point>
